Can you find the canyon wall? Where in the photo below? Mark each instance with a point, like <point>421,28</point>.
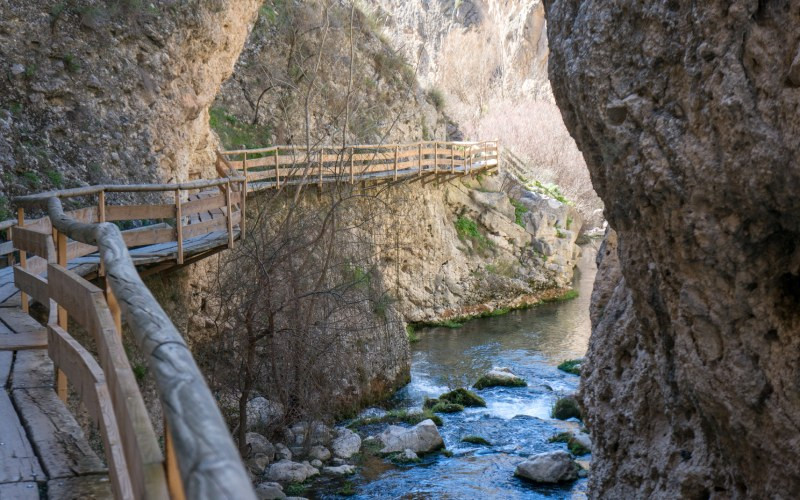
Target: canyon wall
<point>687,115</point>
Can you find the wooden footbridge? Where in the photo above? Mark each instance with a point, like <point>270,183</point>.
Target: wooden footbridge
<point>76,275</point>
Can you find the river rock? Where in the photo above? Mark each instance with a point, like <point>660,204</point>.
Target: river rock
<point>551,467</point>
<point>316,463</point>
<point>257,443</point>
<point>499,376</point>
<point>422,438</point>
<point>346,444</point>
<point>269,490</point>
<point>262,412</point>
<point>257,463</point>
<point>315,433</point>
<point>341,470</point>
<point>287,471</point>
<point>583,439</point>
<point>282,452</point>
<point>319,452</point>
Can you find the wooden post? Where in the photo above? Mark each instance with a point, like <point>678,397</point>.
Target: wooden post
<point>63,319</point>
<point>277,169</point>
<point>179,225</point>
<point>244,164</point>
<point>242,209</point>
<point>321,153</point>
<point>229,214</point>
<point>435,158</point>
<point>352,155</point>
<point>113,306</point>
<point>419,158</point>
<point>174,483</point>
<point>395,162</point>
<point>452,158</point>
<point>23,260</point>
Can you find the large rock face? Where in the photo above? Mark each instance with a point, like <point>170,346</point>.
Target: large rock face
<point>687,114</point>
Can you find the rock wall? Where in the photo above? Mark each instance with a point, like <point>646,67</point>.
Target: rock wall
<point>687,114</point>
<point>97,92</point>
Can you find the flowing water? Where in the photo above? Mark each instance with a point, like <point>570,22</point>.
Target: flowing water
<point>516,421</point>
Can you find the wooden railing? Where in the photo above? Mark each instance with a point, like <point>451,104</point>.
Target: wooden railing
<point>201,459</point>
<point>276,166</point>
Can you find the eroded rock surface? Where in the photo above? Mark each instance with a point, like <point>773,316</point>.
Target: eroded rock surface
<point>687,114</point>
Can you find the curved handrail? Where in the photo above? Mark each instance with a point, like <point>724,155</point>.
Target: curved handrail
<point>33,199</point>
<point>209,463</point>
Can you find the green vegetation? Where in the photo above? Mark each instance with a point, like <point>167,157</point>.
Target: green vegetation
<point>411,334</point>
<point>503,268</point>
<point>463,397</point>
<point>139,371</point>
<point>475,440</point>
<point>573,445</point>
<point>5,212</point>
<point>565,408</point>
<point>467,229</point>
<point>519,211</point>
<point>70,63</point>
<point>487,381</point>
<point>447,323</point>
<point>568,295</point>
<point>572,366</point>
<point>560,234</point>
<point>540,255</point>
<point>398,416</point>
<point>32,178</point>
<point>55,177</point>
<point>399,458</point>
<point>570,220</point>
<point>295,489</point>
<point>436,97</point>
<point>444,407</point>
<point>551,190</point>
<point>447,453</point>
<point>234,133</point>
<point>348,489</point>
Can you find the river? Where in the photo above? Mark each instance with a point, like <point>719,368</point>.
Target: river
<point>516,421</point>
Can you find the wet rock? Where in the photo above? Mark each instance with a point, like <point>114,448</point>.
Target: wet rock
<point>341,470</point>
<point>269,491</point>
<point>463,397</point>
<point>500,376</point>
<point>422,438</point>
<point>346,444</point>
<point>287,471</point>
<point>552,467</point>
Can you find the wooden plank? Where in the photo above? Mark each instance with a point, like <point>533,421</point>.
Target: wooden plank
<point>74,294</point>
<point>6,248</point>
<point>18,321</point>
<point>88,214</point>
<point>77,249</point>
<point>202,204</point>
<point>5,367</point>
<point>34,242</point>
<point>138,212</point>
<point>22,341</point>
<point>94,487</point>
<point>57,437</point>
<point>18,461</point>
<point>89,382</point>
<point>209,226</point>
<point>20,491</point>
<point>32,370</point>
<point>141,237</point>
<point>32,284</point>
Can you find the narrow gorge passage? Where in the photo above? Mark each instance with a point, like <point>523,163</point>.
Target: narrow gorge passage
<point>516,421</point>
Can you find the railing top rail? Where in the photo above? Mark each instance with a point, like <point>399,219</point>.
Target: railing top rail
<point>210,465</point>
<point>357,146</point>
<point>41,198</point>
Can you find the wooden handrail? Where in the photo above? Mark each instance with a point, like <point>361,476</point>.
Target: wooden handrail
<point>209,462</point>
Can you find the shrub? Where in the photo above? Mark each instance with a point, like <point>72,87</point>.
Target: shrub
<point>487,381</point>
<point>295,489</point>
<point>475,440</point>
<point>467,229</point>
<point>573,445</point>
<point>444,407</point>
<point>565,408</point>
<point>463,397</point>
<point>412,334</point>
<point>519,211</point>
<point>436,97</point>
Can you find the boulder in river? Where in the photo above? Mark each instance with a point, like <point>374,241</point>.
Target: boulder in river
<point>269,490</point>
<point>499,376</point>
<point>422,438</point>
<point>346,444</point>
<point>318,452</point>
<point>463,397</point>
<point>287,471</point>
<point>341,470</point>
<point>551,467</point>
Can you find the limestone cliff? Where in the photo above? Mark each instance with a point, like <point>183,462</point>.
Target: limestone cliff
<point>687,116</point>
<point>97,92</point>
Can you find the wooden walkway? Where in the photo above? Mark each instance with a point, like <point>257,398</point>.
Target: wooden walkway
<point>43,450</point>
